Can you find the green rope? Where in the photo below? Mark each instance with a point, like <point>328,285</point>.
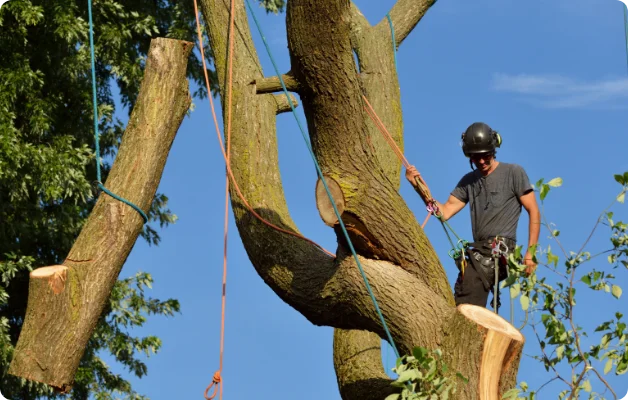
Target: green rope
<point>96,134</point>
<point>320,174</point>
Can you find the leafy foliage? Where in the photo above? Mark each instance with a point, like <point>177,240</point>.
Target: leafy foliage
<point>47,161</point>
<point>422,376</point>
<point>560,338</point>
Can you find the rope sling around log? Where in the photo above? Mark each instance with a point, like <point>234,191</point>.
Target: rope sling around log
<point>98,182</point>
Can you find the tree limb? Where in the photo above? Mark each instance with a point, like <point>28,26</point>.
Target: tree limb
<point>273,84</point>
<point>405,15</point>
<point>358,365</point>
<point>65,302</point>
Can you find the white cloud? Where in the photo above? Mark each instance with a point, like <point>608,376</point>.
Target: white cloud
<point>557,91</point>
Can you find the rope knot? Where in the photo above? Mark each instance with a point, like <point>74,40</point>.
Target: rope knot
<point>217,379</point>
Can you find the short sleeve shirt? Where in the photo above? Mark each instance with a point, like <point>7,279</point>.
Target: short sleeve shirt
<point>494,200</point>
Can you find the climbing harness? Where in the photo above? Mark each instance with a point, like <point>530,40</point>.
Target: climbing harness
<point>97,185</point>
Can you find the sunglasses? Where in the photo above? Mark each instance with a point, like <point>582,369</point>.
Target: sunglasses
<point>482,156</point>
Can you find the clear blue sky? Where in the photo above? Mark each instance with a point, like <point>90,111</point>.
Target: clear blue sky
<point>551,76</point>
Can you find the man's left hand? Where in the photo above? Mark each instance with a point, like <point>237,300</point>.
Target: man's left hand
<point>529,263</point>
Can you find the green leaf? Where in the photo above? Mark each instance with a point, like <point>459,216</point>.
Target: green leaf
<point>586,386</point>
<point>394,396</point>
<point>525,302</point>
<point>556,182</point>
<point>515,290</point>
<point>620,179</point>
<point>608,366</point>
<point>586,279</point>
<point>560,351</point>
<point>408,375</point>
<point>621,197</point>
<point>544,190</point>
<point>616,290</point>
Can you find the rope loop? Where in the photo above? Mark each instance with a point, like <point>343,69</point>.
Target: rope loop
<point>216,380</point>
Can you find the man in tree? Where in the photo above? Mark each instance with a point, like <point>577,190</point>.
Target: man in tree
<point>495,192</point>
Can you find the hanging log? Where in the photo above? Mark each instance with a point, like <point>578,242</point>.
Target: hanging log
<point>66,301</point>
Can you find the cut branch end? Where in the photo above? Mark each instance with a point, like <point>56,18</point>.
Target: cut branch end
<point>56,276</point>
<point>283,105</point>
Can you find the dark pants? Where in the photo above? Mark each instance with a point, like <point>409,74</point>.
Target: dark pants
<point>470,289</point>
<point>477,282</point>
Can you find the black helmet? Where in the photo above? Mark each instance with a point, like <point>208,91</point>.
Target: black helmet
<point>480,138</point>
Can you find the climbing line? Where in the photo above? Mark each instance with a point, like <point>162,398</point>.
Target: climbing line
<point>392,32</point>
<point>232,179</point>
<point>217,379</point>
<point>322,178</point>
<point>96,133</point>
<point>456,249</point>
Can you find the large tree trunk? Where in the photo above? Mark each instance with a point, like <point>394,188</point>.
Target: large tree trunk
<point>403,269</point>
<point>66,301</point>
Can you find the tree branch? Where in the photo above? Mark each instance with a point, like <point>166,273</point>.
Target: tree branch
<point>405,15</point>
<point>358,365</point>
<point>65,302</point>
<point>273,84</point>
<point>283,105</point>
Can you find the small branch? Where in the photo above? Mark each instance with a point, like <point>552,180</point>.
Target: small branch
<point>545,384</point>
<point>273,84</point>
<point>283,105</point>
<point>405,15</point>
<point>65,302</point>
<point>538,338</point>
<point>601,378</point>
<point>598,222</point>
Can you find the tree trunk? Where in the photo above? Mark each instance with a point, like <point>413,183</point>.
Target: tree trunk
<point>403,269</point>
<point>65,302</point>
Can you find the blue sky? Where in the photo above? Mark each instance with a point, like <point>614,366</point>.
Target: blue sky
<point>550,76</point>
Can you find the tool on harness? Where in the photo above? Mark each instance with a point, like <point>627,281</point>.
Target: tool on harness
<point>499,251</point>
<point>487,257</point>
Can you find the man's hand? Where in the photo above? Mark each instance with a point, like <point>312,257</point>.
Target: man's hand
<point>529,263</point>
<point>412,174</point>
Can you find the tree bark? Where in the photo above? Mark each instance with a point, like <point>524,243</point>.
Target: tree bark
<point>65,302</point>
<point>403,269</point>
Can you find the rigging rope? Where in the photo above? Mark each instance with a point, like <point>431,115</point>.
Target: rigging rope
<point>96,133</point>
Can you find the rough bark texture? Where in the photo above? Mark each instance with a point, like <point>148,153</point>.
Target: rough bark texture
<point>403,270</point>
<point>63,309</point>
<point>358,364</point>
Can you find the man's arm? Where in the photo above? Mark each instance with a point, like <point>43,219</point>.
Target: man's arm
<point>528,201</point>
<point>449,209</point>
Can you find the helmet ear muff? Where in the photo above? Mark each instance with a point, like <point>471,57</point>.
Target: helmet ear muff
<point>497,139</point>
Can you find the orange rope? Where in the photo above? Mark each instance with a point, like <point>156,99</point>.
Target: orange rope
<point>217,378</point>
<point>423,188</point>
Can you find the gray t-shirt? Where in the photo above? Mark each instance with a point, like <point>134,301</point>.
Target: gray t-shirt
<point>494,200</point>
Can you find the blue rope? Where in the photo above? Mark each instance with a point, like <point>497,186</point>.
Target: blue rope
<point>320,174</point>
<point>394,42</point>
<point>96,134</point>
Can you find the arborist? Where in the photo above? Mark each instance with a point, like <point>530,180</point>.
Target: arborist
<point>496,192</point>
